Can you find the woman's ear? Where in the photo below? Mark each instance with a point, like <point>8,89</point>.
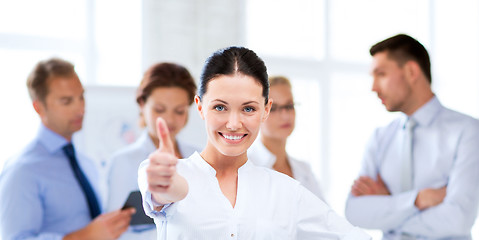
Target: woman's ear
<point>141,120</point>
<point>199,106</point>
<point>141,104</point>
<point>267,109</point>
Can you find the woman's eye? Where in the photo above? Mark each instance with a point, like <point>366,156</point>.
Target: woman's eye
<point>249,109</point>
<point>220,108</point>
<point>289,107</point>
<point>182,112</point>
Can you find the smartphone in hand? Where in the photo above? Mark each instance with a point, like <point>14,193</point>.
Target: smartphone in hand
<point>139,218</point>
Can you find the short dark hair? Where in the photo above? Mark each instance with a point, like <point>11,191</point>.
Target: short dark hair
<point>403,48</point>
<point>166,75</point>
<point>232,60</point>
<point>44,71</point>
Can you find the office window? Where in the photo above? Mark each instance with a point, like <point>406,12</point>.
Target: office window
<point>456,55</point>
<point>286,28</point>
<point>118,36</point>
<point>355,25</point>
<point>48,18</point>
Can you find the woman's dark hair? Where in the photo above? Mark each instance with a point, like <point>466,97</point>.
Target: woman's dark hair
<point>166,75</point>
<point>234,60</point>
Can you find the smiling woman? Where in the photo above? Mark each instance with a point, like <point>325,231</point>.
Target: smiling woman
<point>237,198</point>
<point>232,121</point>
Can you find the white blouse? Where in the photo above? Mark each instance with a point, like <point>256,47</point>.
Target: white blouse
<point>269,205</point>
<point>261,156</point>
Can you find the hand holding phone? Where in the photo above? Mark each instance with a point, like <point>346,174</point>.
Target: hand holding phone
<point>135,201</point>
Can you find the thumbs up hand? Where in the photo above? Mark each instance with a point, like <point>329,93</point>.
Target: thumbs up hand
<point>164,183</point>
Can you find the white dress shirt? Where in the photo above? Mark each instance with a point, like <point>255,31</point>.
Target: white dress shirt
<point>261,156</point>
<point>123,178</point>
<point>445,152</point>
<point>269,205</point>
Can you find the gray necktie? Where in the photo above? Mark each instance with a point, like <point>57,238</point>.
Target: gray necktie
<point>407,152</point>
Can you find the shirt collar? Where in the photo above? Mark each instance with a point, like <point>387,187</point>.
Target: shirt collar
<point>246,165</point>
<point>50,139</point>
<point>145,141</point>
<point>426,114</point>
<point>261,155</point>
<point>205,166</point>
<point>202,164</point>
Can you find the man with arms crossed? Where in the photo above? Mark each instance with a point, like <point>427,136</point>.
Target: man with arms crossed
<point>419,178</point>
<point>48,191</point>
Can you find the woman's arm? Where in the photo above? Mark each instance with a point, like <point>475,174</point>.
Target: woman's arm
<point>164,182</point>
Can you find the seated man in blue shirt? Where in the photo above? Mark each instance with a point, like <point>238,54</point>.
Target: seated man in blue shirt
<point>48,191</point>
<point>419,178</point>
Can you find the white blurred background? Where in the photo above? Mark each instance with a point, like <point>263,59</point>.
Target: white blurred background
<point>321,45</point>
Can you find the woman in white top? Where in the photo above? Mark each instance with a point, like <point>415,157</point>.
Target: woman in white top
<point>218,193</point>
<point>166,90</point>
<point>269,150</point>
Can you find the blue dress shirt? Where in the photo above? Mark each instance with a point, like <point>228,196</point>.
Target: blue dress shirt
<point>40,196</point>
<point>446,153</point>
